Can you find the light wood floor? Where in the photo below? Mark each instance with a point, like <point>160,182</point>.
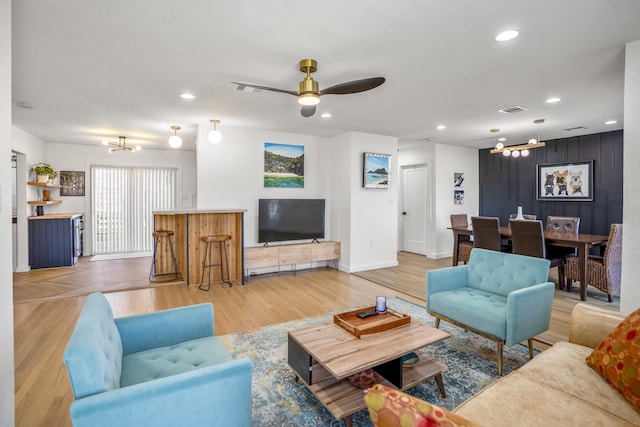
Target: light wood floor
<point>43,325</point>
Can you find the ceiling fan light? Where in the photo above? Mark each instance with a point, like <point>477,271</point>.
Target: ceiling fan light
<point>175,141</point>
<point>214,137</point>
<point>308,99</point>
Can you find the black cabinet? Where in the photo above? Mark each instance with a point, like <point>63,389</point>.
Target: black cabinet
<point>55,242</point>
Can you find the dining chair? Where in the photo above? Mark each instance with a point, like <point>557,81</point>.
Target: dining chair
<point>464,242</point>
<point>563,224</point>
<point>486,232</point>
<point>603,273</point>
<point>527,217</point>
<point>527,238</point>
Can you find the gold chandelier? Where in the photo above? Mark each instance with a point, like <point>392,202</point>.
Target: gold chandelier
<point>518,150</point>
<point>121,145</point>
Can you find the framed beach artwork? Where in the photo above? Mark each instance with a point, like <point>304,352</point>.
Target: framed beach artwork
<point>283,165</point>
<point>568,181</point>
<point>376,170</point>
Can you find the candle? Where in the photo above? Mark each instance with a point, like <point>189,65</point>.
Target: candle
<point>381,304</point>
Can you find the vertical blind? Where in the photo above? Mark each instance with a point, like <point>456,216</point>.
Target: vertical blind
<point>123,201</point>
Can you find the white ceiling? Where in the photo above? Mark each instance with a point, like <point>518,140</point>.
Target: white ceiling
<point>93,68</point>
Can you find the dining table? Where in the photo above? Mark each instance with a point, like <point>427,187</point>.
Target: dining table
<point>581,241</point>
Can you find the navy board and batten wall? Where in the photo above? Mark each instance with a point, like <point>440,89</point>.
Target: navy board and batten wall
<point>506,183</point>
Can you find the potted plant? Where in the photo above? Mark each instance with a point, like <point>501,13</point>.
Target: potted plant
<point>43,172</point>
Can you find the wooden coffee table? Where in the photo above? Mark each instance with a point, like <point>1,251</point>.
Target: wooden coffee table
<point>323,356</point>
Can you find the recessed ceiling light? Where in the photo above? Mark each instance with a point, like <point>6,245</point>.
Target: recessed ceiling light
<point>505,36</point>
<point>187,96</point>
<point>610,122</point>
<point>325,115</point>
<point>502,139</point>
<point>441,127</point>
<point>552,100</point>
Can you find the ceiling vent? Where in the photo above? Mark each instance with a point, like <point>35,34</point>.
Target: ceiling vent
<point>574,128</point>
<point>512,109</point>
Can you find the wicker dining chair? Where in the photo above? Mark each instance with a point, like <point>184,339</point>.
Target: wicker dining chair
<point>603,273</point>
<point>464,242</point>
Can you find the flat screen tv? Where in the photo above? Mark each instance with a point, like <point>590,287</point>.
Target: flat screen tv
<point>290,219</point>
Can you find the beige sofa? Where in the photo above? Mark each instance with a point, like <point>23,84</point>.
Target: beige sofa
<point>557,388</point>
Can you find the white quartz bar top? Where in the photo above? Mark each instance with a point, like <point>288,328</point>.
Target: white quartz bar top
<point>199,211</point>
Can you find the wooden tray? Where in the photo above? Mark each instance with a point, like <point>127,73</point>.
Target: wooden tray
<point>381,322</point>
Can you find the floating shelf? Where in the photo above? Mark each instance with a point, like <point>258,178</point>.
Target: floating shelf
<point>44,202</point>
<point>44,184</point>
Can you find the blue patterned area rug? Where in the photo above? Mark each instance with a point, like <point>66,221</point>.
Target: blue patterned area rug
<point>278,400</point>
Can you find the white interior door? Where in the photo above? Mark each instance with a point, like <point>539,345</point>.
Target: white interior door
<point>414,209</point>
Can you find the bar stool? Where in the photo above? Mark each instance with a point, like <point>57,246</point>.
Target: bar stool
<point>222,248</point>
<point>157,236</point>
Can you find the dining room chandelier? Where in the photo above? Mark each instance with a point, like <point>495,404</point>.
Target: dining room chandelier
<point>519,150</point>
<point>121,145</point>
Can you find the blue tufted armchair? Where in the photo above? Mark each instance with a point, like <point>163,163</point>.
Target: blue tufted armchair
<point>504,297</point>
<point>159,369</point>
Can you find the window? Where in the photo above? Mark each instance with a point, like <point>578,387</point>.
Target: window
<point>123,202</point>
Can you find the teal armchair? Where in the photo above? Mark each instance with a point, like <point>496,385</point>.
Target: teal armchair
<point>504,297</point>
<point>159,369</point>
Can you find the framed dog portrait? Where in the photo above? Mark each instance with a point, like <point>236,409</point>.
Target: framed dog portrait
<point>570,181</point>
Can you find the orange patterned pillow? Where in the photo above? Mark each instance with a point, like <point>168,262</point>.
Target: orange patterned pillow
<point>389,407</point>
<point>617,358</point>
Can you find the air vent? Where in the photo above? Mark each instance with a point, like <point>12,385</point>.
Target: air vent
<point>513,109</point>
<point>575,128</point>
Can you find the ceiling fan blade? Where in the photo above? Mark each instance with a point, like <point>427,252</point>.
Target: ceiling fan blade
<point>272,89</point>
<point>308,110</point>
<point>353,86</point>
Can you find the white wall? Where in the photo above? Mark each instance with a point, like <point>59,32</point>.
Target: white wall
<point>630,291</point>
<point>339,153</point>
<point>7,407</point>
<point>373,212</point>
<point>448,160</point>
<point>230,174</point>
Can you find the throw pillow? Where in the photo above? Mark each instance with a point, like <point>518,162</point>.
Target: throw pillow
<point>389,407</point>
<point>364,379</point>
<point>617,358</point>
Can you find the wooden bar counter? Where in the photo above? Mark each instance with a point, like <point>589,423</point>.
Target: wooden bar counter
<point>189,226</point>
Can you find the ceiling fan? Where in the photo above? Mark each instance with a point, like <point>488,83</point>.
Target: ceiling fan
<point>308,92</point>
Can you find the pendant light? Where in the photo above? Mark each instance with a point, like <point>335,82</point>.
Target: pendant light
<point>214,137</point>
<point>175,141</point>
<point>519,150</point>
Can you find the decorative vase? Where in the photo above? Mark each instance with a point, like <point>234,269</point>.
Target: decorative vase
<point>42,178</point>
<point>46,195</point>
<point>519,217</point>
